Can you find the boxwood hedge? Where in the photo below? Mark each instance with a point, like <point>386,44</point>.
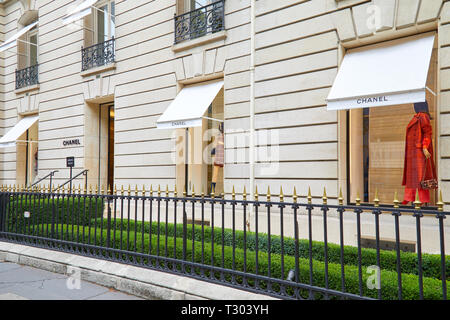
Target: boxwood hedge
<point>431,263</point>
<point>432,288</point>
<point>67,210</point>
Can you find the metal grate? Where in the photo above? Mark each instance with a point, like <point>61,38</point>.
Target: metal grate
<point>27,77</point>
<point>199,22</point>
<point>98,55</point>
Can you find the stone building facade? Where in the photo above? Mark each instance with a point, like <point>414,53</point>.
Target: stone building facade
<point>278,61</point>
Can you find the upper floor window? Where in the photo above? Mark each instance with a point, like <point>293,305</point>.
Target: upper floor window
<point>32,44</point>
<point>27,56</point>
<point>104,21</point>
<point>197,18</point>
<point>99,28</point>
<point>100,25</point>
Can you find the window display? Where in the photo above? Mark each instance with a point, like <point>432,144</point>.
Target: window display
<point>419,164</point>
<point>393,149</point>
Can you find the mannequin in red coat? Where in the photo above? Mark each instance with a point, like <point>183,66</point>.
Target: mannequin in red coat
<point>418,154</point>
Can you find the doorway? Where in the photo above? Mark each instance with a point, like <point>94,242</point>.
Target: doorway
<point>99,151</point>
<point>27,156</point>
<point>110,179</point>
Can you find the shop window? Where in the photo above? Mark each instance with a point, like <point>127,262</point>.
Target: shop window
<point>27,156</point>
<point>376,149</point>
<point>202,170</point>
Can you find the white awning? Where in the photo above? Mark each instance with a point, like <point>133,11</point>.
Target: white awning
<point>392,74</point>
<point>10,138</point>
<point>188,108</point>
<point>11,42</point>
<point>80,11</point>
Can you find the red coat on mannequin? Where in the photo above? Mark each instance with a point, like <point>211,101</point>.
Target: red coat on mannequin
<point>416,168</point>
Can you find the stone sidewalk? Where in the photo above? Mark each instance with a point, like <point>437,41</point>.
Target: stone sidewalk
<point>18,282</point>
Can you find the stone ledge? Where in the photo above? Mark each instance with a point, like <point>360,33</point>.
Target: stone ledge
<point>188,44</point>
<point>138,281</point>
<point>34,87</point>
<point>97,70</point>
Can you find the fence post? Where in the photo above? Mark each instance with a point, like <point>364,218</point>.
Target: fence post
<point>108,231</point>
<point>3,209</point>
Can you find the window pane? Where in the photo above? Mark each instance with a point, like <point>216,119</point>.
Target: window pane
<point>195,4</point>
<point>33,50</point>
<point>113,20</point>
<point>102,25</point>
<point>378,139</point>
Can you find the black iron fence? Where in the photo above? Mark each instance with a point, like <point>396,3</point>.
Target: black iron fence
<point>27,77</point>
<point>98,55</point>
<point>199,22</point>
<point>280,248</point>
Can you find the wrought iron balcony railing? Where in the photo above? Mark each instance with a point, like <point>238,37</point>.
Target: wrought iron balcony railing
<point>199,22</point>
<point>98,55</point>
<point>27,77</point>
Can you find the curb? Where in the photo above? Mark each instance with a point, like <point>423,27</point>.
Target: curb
<point>141,282</point>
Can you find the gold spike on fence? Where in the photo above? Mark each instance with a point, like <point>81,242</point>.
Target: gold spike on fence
<point>376,201</point>
<point>324,197</point>
<point>396,201</point>
<point>281,194</point>
<point>417,202</point>
<point>244,194</point>
<point>294,196</point>
<point>341,198</point>
<point>440,203</point>
<point>268,194</point>
<point>309,196</point>
<point>256,193</point>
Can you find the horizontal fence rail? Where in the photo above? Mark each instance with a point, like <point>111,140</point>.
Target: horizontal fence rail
<point>209,238</point>
<point>200,22</point>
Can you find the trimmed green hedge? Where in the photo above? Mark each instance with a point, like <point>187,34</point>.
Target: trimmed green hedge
<point>68,210</point>
<point>431,287</point>
<point>431,263</point>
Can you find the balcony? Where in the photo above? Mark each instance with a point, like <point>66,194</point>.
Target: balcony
<point>200,22</point>
<point>27,77</point>
<point>98,55</point>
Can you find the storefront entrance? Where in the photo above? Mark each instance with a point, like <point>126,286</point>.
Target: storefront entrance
<point>99,137</point>
<point>27,156</point>
<point>196,117</point>
<point>389,90</point>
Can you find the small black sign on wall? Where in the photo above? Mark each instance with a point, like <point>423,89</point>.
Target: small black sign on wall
<point>70,162</point>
